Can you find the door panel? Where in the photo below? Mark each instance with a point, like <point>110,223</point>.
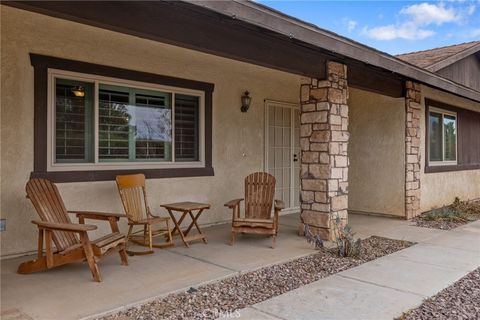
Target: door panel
<point>296,160</point>
<point>282,150</point>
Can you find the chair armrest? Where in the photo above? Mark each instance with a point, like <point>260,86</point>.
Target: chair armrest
<point>98,215</point>
<point>279,205</point>
<point>72,227</point>
<point>233,203</point>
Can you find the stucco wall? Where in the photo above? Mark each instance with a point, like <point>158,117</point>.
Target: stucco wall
<point>234,133</point>
<point>376,153</point>
<point>441,188</point>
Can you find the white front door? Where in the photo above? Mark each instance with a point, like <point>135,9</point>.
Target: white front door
<point>282,150</point>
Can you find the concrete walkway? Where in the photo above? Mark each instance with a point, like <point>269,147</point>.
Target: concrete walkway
<point>383,288</point>
<point>379,289</point>
<point>68,292</point>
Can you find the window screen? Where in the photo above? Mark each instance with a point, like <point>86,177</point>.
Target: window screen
<point>442,137</point>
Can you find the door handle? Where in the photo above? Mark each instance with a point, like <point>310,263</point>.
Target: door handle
<point>295,157</point>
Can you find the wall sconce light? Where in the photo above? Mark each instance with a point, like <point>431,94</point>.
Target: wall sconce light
<point>246,99</point>
<point>78,91</point>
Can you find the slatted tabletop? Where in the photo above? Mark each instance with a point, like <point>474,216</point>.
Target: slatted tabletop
<point>186,206</point>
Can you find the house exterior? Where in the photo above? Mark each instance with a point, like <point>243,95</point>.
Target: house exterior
<point>156,87</point>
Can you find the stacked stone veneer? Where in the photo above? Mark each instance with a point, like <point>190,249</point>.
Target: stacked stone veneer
<point>412,149</point>
<point>324,140</point>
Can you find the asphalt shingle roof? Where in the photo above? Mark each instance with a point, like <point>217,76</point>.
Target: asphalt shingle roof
<point>427,58</point>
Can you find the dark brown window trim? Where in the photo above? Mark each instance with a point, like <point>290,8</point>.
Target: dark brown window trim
<point>443,168</point>
<point>447,168</point>
<point>42,63</point>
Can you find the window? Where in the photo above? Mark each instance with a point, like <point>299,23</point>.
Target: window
<point>442,137</point>
<point>452,134</point>
<point>93,122</point>
<point>134,125</point>
<point>73,122</point>
<point>108,123</point>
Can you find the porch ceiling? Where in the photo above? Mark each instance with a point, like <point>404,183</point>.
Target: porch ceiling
<point>197,27</point>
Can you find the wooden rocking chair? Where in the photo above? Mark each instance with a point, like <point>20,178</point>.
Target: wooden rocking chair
<point>56,228</point>
<point>259,192</point>
<point>134,198</point>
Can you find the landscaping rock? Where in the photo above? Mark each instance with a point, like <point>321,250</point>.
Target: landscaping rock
<point>223,297</point>
<point>459,301</point>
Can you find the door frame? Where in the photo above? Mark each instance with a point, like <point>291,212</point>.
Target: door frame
<point>292,105</point>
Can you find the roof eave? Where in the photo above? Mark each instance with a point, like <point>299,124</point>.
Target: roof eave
<point>272,20</point>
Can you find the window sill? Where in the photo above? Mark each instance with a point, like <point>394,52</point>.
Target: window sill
<point>109,175</point>
<point>447,168</point>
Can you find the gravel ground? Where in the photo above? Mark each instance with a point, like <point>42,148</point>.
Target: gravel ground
<point>438,224</point>
<point>459,301</point>
<point>228,295</point>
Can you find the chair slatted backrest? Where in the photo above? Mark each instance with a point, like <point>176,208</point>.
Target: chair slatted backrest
<point>133,194</point>
<point>50,207</point>
<point>259,193</point>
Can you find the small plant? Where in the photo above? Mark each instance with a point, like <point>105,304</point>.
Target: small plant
<point>458,211</point>
<point>313,239</point>
<point>347,246</point>
<point>469,208</point>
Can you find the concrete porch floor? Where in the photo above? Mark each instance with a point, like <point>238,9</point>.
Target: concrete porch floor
<point>68,292</point>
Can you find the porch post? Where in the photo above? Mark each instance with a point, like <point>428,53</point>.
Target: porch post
<point>324,141</point>
<point>412,149</point>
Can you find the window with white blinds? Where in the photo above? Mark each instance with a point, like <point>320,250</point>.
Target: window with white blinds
<point>105,124</point>
<point>73,123</point>
<point>186,128</point>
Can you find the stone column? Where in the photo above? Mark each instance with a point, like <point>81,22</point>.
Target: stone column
<point>324,141</point>
<point>412,149</point>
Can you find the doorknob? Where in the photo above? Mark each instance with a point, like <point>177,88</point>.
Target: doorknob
<point>295,157</point>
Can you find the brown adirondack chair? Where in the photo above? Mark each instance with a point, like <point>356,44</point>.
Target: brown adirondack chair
<point>67,242</point>
<point>134,198</point>
<point>259,193</point>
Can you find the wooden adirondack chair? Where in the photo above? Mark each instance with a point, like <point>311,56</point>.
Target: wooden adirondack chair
<point>67,242</point>
<point>259,193</point>
<point>134,198</point>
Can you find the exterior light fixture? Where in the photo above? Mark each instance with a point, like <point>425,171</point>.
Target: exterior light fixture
<point>246,99</point>
<point>78,91</point>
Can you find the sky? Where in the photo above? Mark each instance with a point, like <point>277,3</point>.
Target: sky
<point>391,26</point>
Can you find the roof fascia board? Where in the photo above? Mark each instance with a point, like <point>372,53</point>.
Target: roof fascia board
<point>266,18</point>
<point>454,58</point>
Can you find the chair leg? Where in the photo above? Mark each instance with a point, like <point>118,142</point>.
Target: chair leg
<point>273,241</point>
<point>92,264</point>
<point>129,234</point>
<point>232,242</point>
<point>150,238</point>
<point>145,233</point>
<point>123,255</point>
<point>40,244</point>
<point>170,239</point>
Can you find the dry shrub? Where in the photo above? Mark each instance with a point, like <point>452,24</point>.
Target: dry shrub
<point>458,211</point>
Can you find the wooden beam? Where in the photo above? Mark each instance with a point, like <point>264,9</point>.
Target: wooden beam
<point>193,27</point>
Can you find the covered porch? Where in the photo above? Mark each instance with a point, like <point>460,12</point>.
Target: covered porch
<point>68,292</point>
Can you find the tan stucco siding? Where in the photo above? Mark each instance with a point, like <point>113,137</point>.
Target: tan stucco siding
<point>376,153</point>
<point>234,133</point>
<point>441,188</point>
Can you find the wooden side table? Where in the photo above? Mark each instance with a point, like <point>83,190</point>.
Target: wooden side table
<point>194,210</point>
